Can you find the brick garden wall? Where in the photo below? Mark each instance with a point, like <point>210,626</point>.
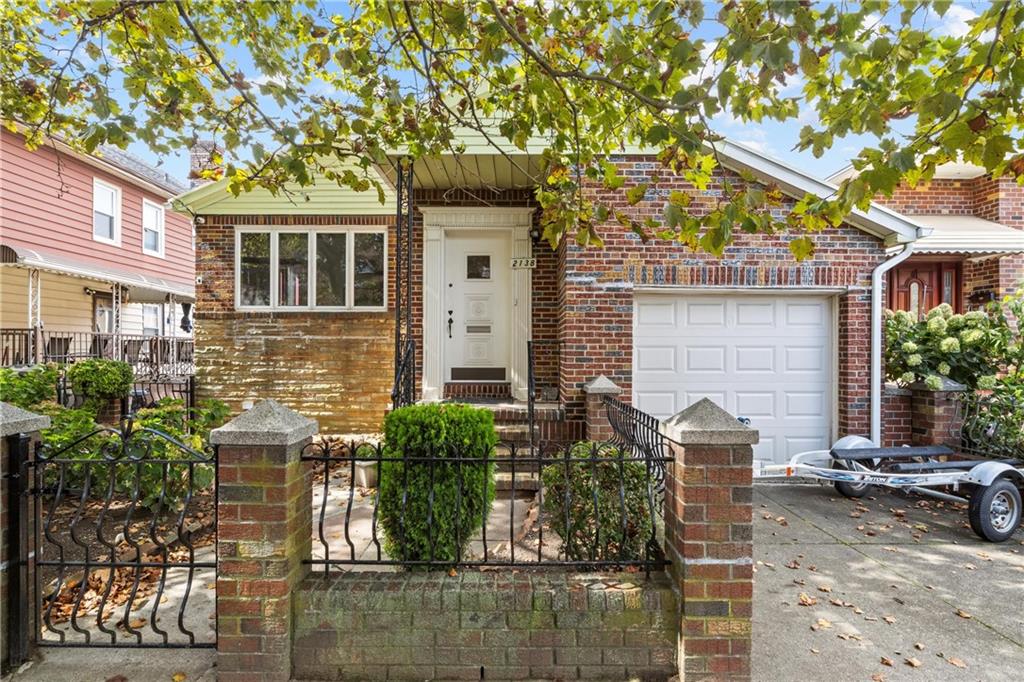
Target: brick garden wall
<point>597,289</point>
<point>897,418</point>
<point>485,626</point>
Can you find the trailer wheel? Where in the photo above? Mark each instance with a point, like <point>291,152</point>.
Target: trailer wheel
<point>995,510</point>
<point>853,490</point>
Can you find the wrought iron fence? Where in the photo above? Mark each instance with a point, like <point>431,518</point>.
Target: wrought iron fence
<point>144,393</point>
<point>149,356</point>
<point>639,434</point>
<point>989,426</point>
<point>17,347</point>
<point>585,505</point>
<point>125,536</point>
<point>550,352</point>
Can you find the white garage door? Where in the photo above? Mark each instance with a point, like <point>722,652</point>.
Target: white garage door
<point>767,357</point>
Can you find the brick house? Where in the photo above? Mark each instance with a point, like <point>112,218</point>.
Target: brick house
<point>302,298</point>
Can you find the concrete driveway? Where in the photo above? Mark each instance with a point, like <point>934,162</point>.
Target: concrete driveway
<point>894,588</point>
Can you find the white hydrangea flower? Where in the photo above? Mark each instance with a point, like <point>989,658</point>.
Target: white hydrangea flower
<point>943,369</point>
<point>909,347</point>
<point>907,377</point>
<point>987,382</point>
<point>976,316</point>
<point>933,382</point>
<point>949,345</point>
<point>937,325</point>
<point>914,360</point>
<point>971,336</point>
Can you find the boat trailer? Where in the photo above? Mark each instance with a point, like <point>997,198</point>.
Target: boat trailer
<point>990,487</point>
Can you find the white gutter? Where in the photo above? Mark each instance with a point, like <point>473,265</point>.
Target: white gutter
<point>877,279</point>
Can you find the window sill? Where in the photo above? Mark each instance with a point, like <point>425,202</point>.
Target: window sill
<point>104,240</point>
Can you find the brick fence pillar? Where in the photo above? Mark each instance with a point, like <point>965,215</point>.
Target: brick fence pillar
<point>709,539</point>
<point>934,413</point>
<point>598,426</point>
<point>19,431</point>
<point>264,529</point>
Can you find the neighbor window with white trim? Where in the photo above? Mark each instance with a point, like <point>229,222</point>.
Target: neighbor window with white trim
<point>152,228</point>
<point>151,319</point>
<point>106,212</point>
<point>303,269</point>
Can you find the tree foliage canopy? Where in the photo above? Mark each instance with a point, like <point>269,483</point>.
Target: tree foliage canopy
<point>293,88</point>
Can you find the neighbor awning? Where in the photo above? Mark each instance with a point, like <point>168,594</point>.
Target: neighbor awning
<point>141,288</point>
<point>968,236</point>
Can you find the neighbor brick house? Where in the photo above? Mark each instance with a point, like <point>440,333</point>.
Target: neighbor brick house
<point>787,344</point>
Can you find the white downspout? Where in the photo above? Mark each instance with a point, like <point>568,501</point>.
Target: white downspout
<point>877,279</point>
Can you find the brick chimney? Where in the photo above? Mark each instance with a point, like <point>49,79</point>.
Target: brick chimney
<point>204,155</point>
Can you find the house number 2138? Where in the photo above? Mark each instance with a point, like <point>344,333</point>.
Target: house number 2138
<point>524,263</point>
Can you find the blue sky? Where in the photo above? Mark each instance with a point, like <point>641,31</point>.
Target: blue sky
<point>770,137</point>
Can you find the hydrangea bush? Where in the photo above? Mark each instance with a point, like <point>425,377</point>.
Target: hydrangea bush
<point>981,349</point>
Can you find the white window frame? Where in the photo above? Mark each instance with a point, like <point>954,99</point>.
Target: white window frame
<point>116,241</point>
<point>161,229</point>
<point>159,318</point>
<point>312,231</point>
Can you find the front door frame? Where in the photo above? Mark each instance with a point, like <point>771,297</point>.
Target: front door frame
<point>437,221</point>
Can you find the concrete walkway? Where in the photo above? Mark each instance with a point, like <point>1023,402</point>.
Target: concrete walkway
<point>887,579</point>
<point>119,665</point>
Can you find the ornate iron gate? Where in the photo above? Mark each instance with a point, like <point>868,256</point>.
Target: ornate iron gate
<point>121,524</point>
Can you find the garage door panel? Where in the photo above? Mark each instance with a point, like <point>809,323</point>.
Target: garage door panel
<point>657,404</point>
<point>656,358</point>
<point>763,357</point>
<point>804,358</point>
<point>705,359</point>
<point>657,313</point>
<point>754,358</point>
<point>756,404</point>
<point>700,314</point>
<point>758,314</point>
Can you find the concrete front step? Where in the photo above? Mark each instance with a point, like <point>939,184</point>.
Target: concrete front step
<point>525,481</point>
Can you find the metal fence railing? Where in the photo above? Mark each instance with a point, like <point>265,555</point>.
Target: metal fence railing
<point>989,426</point>
<point>638,433</point>
<point>584,505</point>
<point>149,356</point>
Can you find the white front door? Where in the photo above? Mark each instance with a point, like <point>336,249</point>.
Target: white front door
<point>477,305</point>
<point>764,357</point>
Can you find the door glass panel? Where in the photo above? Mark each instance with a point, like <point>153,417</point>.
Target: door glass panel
<point>947,287</point>
<point>478,267</point>
<point>914,305</point>
<point>293,268</point>
<point>368,250</point>
<point>330,268</point>
<point>255,269</point>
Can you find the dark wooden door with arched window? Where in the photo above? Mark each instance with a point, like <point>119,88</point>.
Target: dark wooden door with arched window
<point>917,287</point>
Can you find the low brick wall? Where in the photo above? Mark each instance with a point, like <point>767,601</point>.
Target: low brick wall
<point>485,626</point>
<point>897,417</point>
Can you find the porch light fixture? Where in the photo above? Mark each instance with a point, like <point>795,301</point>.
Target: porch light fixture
<point>535,235</point>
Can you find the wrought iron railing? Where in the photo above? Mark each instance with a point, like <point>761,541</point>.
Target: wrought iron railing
<point>148,355</point>
<point>593,506</point>
<point>989,426</point>
<point>638,433</point>
<point>404,391</point>
<point>545,347</point>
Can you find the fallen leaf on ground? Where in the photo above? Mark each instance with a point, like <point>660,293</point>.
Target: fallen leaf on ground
<point>799,581</point>
<point>179,677</point>
<point>919,646</point>
<point>822,624</point>
<point>878,677</point>
<point>807,600</point>
<point>815,651</point>
<point>781,520</point>
<point>824,588</point>
<point>889,619</point>
<point>963,614</point>
<point>117,678</point>
<point>913,662</point>
<point>793,564</point>
<point>886,661</point>
<point>956,662</point>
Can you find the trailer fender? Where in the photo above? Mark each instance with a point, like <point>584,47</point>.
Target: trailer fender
<point>986,473</point>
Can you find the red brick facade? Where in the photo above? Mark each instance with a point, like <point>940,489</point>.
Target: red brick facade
<point>337,367</point>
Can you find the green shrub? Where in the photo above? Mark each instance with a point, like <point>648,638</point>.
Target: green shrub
<point>25,389</point>
<point>595,532</point>
<point>462,494</point>
<point>98,378</point>
<point>975,348</point>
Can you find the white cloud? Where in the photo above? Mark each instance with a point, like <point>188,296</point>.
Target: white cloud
<point>954,22</point>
